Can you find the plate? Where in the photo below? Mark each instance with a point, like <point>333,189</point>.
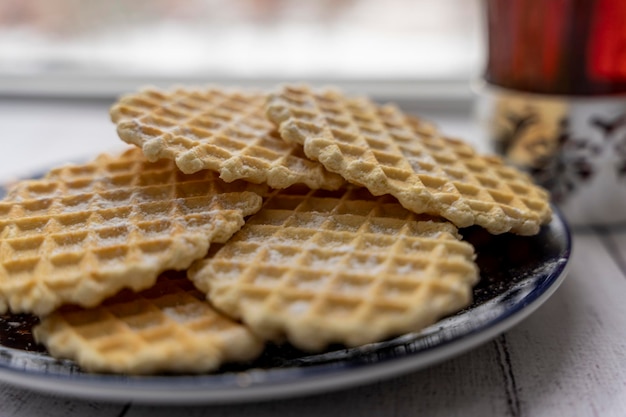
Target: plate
<point>518,274</point>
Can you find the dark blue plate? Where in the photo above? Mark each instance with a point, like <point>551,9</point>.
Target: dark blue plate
<point>517,275</point>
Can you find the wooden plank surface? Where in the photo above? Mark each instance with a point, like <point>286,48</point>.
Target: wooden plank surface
<point>614,240</point>
<point>16,402</point>
<point>570,357</point>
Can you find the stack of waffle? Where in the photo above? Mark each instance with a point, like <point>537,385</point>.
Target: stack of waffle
<point>241,218</point>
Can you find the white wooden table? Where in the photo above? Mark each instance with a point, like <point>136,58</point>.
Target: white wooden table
<point>567,359</point>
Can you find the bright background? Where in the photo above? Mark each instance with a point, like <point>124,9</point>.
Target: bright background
<point>390,48</point>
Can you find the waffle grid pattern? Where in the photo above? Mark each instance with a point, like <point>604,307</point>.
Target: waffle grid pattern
<point>226,132</point>
<point>384,150</point>
<point>85,231</point>
<point>342,267</point>
<point>167,328</point>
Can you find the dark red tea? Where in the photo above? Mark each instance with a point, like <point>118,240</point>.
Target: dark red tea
<point>571,47</point>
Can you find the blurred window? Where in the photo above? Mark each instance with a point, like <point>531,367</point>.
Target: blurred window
<point>88,41</point>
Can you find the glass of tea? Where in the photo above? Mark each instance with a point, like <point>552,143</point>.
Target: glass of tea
<point>552,99</point>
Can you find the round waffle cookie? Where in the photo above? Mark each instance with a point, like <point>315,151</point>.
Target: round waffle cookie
<point>321,267</point>
<point>220,130</point>
<point>83,232</point>
<point>389,153</point>
<point>167,328</point>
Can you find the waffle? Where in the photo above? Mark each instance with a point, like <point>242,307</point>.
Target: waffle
<point>83,232</point>
<point>321,267</point>
<point>226,132</point>
<point>384,150</point>
<point>167,328</point>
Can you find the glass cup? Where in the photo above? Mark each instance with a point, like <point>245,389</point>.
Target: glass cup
<point>553,99</point>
